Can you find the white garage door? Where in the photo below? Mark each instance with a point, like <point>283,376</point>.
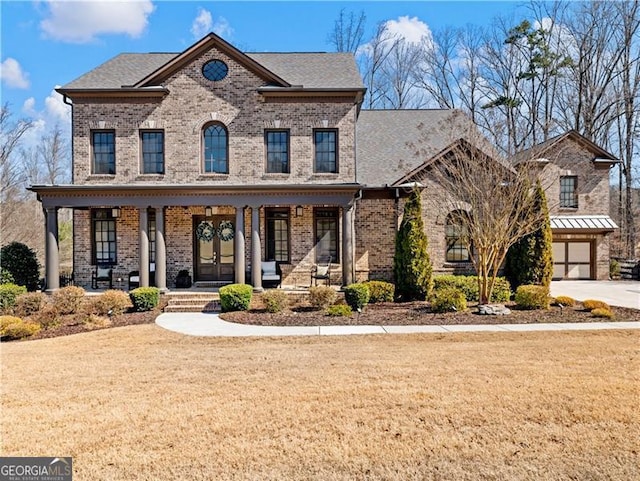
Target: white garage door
<point>572,260</point>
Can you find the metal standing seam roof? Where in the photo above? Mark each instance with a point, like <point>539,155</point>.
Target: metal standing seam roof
<point>574,222</point>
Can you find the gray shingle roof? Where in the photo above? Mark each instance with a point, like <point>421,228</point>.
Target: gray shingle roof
<point>124,69</point>
<point>391,143</point>
<point>311,70</point>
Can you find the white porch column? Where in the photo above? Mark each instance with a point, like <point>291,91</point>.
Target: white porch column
<point>347,245</point>
<point>52,261</point>
<point>256,249</point>
<point>239,246</point>
<point>161,251</point>
<point>144,247</point>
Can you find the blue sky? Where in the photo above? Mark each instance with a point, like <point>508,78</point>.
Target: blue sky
<point>49,43</point>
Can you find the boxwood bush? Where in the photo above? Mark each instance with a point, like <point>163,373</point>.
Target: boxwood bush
<point>8,294</point>
<point>380,291</point>
<point>339,310</point>
<point>144,298</point>
<point>357,295</point>
<point>111,302</point>
<point>591,304</point>
<point>602,312</point>
<point>566,301</point>
<point>235,297</point>
<point>322,297</point>
<point>532,297</point>
<point>468,285</point>
<point>448,299</point>
<point>275,300</point>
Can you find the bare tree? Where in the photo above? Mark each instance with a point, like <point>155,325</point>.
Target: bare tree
<point>372,58</point>
<point>348,31</point>
<point>11,133</point>
<point>54,152</point>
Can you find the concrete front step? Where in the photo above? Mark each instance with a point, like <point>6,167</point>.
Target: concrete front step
<point>181,308</point>
<point>193,302</point>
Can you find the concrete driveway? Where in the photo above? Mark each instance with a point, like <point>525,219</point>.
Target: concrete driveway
<point>614,293</point>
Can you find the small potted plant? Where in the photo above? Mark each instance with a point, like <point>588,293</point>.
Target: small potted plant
<point>183,279</point>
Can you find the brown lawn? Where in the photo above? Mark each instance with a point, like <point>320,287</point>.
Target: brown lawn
<point>141,403</point>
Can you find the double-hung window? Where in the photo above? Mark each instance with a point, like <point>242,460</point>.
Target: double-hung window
<point>277,234</point>
<point>103,232</point>
<point>152,142</point>
<point>569,191</point>
<point>326,234</point>
<point>456,235</point>
<point>326,151</point>
<point>103,146</point>
<point>277,143</point>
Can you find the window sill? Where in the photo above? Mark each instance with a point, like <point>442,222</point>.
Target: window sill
<point>325,175</point>
<point>276,175</point>
<point>101,177</point>
<point>150,177</point>
<point>213,176</point>
<point>568,209</point>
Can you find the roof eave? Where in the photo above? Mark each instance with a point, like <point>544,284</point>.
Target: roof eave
<point>114,92</point>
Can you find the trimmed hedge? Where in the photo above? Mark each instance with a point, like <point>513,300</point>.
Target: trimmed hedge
<point>110,303</point>
<point>275,300</point>
<point>339,310</point>
<point>448,299</point>
<point>380,291</point>
<point>8,294</point>
<point>532,297</point>
<point>468,285</point>
<point>235,297</point>
<point>144,298</point>
<point>322,297</point>
<point>357,296</point>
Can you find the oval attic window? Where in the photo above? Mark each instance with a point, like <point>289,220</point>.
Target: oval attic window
<point>215,70</point>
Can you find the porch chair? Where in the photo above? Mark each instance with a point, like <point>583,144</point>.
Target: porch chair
<point>322,271</point>
<point>270,275</point>
<point>134,277</point>
<point>102,274</point>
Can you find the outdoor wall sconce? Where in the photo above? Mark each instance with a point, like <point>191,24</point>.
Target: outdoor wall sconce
<point>115,212</point>
<point>208,211</point>
<point>299,211</point>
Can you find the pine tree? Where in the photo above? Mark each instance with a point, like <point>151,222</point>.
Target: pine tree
<point>411,264</point>
<point>530,260</point>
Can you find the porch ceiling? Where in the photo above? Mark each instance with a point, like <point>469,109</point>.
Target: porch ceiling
<point>159,195</point>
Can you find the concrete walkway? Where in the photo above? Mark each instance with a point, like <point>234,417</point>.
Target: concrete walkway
<point>614,293</point>
<point>210,324</point>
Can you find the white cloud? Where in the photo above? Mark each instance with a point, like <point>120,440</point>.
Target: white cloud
<point>55,112</point>
<point>203,24</point>
<point>12,74</point>
<point>28,106</point>
<point>81,22</point>
<point>413,30</point>
<point>56,109</point>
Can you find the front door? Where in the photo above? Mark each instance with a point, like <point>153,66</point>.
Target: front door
<point>213,248</point>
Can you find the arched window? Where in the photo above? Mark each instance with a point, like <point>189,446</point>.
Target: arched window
<point>456,234</point>
<point>215,149</point>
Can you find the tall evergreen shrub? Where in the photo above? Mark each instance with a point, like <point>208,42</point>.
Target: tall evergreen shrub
<point>530,260</point>
<point>21,262</point>
<point>411,264</point>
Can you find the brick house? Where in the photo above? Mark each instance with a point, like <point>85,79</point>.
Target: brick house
<point>213,160</point>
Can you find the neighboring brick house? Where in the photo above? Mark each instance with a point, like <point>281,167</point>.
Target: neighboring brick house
<point>213,160</point>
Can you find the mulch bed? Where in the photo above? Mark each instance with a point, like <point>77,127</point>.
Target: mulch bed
<point>418,313</point>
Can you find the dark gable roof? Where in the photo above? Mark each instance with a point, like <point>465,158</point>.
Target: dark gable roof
<point>392,143</point>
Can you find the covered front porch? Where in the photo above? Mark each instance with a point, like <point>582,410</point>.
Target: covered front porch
<point>216,234</point>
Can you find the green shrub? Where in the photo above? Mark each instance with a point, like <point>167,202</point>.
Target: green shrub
<point>468,285</point>
<point>448,299</point>
<point>110,303</point>
<point>412,267</point>
<point>12,328</point>
<point>322,297</point>
<point>69,299</point>
<point>235,297</point>
<point>380,291</point>
<point>21,261</point>
<point>275,300</point>
<point>601,312</point>
<point>30,303</point>
<point>8,295</point>
<point>566,301</point>
<point>6,277</point>
<point>614,269</point>
<point>532,297</point>
<point>144,298</point>
<point>591,304</point>
<point>339,310</point>
<point>357,296</point>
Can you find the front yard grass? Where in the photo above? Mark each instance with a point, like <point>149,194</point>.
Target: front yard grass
<point>141,403</point>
